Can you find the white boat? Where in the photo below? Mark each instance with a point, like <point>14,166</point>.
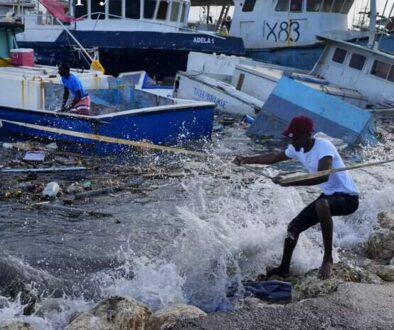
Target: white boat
<point>210,77</point>
<point>240,86</point>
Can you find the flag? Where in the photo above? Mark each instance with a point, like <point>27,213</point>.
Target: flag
<point>56,9</point>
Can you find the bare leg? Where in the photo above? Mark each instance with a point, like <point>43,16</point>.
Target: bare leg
<point>323,210</point>
<point>283,268</point>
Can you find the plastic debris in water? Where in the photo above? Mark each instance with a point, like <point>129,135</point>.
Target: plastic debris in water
<point>37,156</point>
<point>51,189</point>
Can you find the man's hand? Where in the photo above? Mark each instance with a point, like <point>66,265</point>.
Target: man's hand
<point>277,180</point>
<point>239,160</point>
<point>66,108</point>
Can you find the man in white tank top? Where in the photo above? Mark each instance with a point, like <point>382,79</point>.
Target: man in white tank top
<point>339,192</point>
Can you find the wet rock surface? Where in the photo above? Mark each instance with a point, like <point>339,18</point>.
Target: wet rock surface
<point>167,317</point>
<point>114,313</point>
<point>352,306</point>
<point>17,325</point>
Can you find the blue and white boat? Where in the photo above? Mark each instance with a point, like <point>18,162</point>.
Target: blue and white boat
<point>126,35</point>
<point>122,114</point>
<point>121,117</point>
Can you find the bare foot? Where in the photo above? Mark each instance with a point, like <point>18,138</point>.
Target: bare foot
<point>325,270</point>
<point>277,271</point>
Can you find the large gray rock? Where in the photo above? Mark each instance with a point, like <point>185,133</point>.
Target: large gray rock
<point>380,245</point>
<point>114,313</point>
<point>385,272</point>
<point>165,318</point>
<point>310,286</point>
<point>17,325</point>
<point>386,220</point>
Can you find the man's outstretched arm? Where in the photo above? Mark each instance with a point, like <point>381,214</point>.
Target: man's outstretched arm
<point>267,159</point>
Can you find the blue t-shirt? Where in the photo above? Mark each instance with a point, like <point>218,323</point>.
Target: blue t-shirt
<point>73,84</point>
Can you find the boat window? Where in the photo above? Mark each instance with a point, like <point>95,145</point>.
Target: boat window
<point>327,4</point>
<point>391,74</point>
<point>174,11</point>
<point>240,81</point>
<point>337,6</point>
<point>149,8</point>
<point>80,11</point>
<point>296,5</point>
<point>115,9</point>
<point>380,69</point>
<point>183,15</point>
<point>162,12</point>
<point>346,7</point>
<point>133,9</point>
<point>339,55</point>
<point>357,61</point>
<point>313,5</point>
<point>249,5</point>
<point>282,5</point>
<point>97,11</point>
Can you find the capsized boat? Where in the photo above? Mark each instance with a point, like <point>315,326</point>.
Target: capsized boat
<point>240,85</point>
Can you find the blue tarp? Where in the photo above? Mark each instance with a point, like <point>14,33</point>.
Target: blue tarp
<point>273,290</point>
<point>331,115</point>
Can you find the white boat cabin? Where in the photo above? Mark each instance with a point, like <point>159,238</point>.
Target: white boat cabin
<point>266,24</point>
<point>369,71</point>
<point>121,15</point>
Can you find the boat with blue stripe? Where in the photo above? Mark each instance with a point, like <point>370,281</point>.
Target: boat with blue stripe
<point>152,127</point>
<point>125,35</point>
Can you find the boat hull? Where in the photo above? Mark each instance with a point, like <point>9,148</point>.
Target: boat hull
<point>113,133</point>
<point>226,97</point>
<point>160,54</point>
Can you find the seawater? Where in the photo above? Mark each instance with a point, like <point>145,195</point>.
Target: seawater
<point>188,242</point>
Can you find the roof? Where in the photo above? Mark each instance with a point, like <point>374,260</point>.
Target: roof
<point>356,46</point>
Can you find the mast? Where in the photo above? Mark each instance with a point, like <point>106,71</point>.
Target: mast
<point>372,26</point>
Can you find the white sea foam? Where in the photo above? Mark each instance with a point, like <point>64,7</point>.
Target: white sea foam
<point>153,282</point>
<point>54,316</point>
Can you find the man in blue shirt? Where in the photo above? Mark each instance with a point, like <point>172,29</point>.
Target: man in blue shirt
<point>81,101</point>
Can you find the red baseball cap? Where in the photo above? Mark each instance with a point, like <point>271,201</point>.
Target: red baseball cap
<point>299,125</point>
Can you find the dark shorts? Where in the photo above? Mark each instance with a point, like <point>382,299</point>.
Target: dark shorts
<point>340,204</point>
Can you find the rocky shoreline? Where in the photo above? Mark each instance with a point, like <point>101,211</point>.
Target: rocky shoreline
<point>352,306</point>
<point>357,296</point>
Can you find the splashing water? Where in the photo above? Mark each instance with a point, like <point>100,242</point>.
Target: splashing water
<point>218,225</point>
